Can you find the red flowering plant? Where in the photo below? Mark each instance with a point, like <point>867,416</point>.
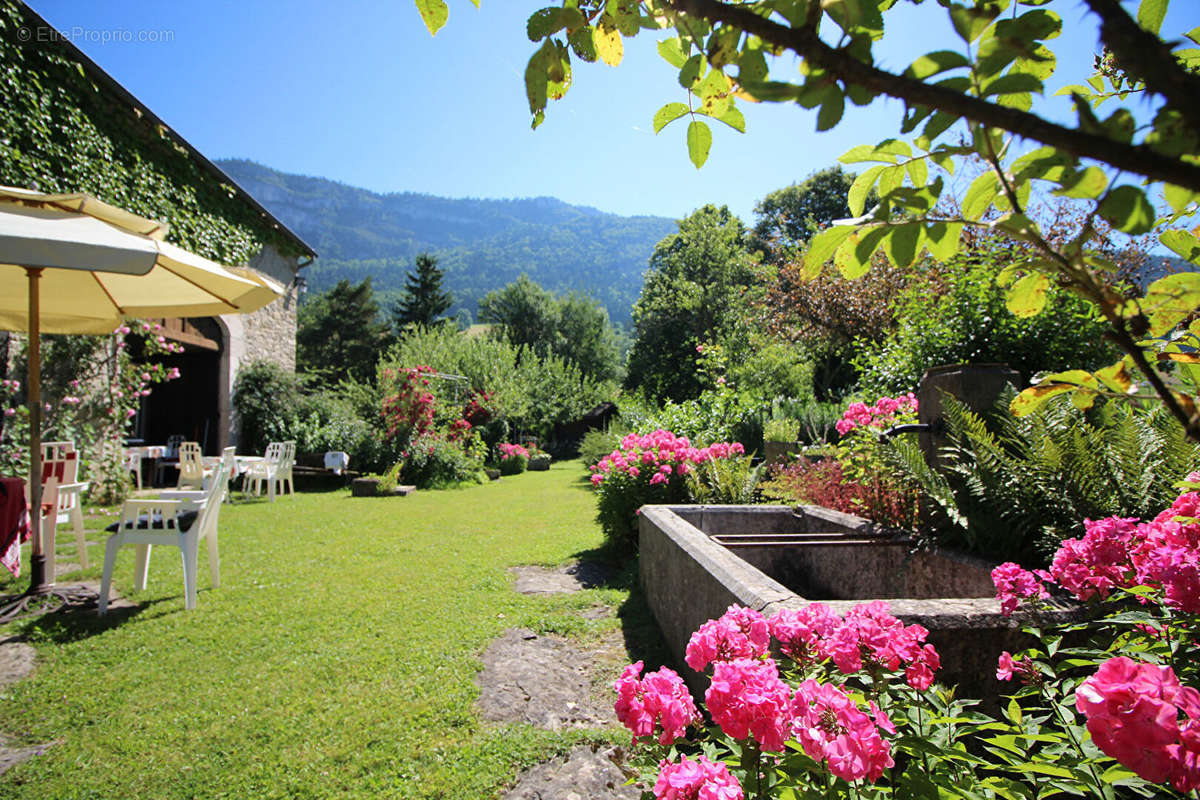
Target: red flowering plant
<point>408,403</point>
<point>856,480</point>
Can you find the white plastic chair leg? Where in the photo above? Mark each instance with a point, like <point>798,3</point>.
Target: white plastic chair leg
<point>141,569</point>
<point>110,559</point>
<point>80,539</point>
<point>214,561</point>
<point>189,574</point>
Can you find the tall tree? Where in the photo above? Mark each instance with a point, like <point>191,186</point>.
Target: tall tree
<point>424,300</point>
<point>586,337</point>
<point>339,333</point>
<point>787,218</point>
<point>694,291</point>
<point>525,314</point>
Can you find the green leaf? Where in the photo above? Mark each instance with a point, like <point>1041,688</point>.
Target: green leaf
<point>1150,14</point>
<point>853,257</point>
<point>1087,183</point>
<point>831,110</point>
<point>1171,300</point>
<point>970,21</point>
<point>691,71</point>
<point>982,192</point>
<point>583,44</point>
<point>857,196</point>
<point>699,142</point>
<point>672,52</point>
<point>1027,297</point>
<point>733,118</point>
<point>864,152</point>
<point>434,12</point>
<point>1127,209</point>
<point>608,44</point>
<point>822,248</point>
<point>1185,243</point>
<point>668,113</point>
<point>918,172</point>
<point>1178,197</point>
<point>544,22</point>
<point>941,238</point>
<point>903,243</point>
<point>1012,83</point>
<point>934,63</point>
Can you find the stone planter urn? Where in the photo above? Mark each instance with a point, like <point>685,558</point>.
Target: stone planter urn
<point>369,487</point>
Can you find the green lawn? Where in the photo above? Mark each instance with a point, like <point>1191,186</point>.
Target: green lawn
<point>337,659</point>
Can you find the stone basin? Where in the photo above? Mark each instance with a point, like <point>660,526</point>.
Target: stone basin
<point>696,561</point>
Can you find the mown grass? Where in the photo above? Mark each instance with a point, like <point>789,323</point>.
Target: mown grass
<point>338,658</point>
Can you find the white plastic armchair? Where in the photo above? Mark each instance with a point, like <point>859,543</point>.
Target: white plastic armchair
<point>191,466</point>
<point>179,523</point>
<point>274,471</point>
<point>63,471</point>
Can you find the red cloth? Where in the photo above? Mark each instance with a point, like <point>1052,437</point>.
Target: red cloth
<point>14,523</point>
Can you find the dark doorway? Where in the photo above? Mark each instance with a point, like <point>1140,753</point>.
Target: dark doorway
<point>190,405</point>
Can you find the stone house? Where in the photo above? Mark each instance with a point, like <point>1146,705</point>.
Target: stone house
<point>69,126</point>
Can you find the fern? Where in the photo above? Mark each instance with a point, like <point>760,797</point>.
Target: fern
<point>1014,487</point>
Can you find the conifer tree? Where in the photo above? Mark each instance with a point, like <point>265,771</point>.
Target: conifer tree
<point>424,299</point>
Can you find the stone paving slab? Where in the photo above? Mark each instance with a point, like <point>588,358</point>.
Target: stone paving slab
<point>571,578</point>
<point>586,773</point>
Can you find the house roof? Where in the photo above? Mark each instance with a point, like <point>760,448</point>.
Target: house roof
<point>137,108</point>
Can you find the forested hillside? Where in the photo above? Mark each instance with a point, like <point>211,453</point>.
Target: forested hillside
<point>481,244</point>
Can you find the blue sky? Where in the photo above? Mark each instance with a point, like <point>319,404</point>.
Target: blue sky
<point>360,93</point>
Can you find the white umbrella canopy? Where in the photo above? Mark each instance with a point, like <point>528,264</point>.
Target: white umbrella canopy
<point>70,263</point>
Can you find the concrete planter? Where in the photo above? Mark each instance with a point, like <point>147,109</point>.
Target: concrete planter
<point>539,463</point>
<point>775,452</point>
<point>369,487</point>
<point>696,561</point>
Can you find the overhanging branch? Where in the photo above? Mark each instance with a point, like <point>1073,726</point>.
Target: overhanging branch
<point>1137,159</point>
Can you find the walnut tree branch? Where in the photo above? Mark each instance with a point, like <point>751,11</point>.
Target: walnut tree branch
<point>1137,159</point>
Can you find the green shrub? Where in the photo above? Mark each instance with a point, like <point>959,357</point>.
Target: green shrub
<point>433,463</point>
<point>1012,488</point>
<point>539,462</point>
<point>599,443</point>
<point>724,481</point>
<point>514,464</point>
<point>266,399</point>
<point>781,430</point>
<point>969,322</point>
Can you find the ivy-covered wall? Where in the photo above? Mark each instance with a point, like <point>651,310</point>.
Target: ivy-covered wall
<point>60,132</point>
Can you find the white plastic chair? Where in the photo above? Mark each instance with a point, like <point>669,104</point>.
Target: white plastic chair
<point>274,472</point>
<point>150,522</point>
<point>67,505</point>
<point>191,466</point>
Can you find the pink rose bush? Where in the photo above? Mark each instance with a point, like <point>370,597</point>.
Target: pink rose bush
<point>648,469</point>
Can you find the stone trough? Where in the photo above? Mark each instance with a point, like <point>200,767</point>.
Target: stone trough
<point>696,561</point>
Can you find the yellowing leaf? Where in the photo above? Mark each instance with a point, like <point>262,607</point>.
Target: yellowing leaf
<point>434,12</point>
<point>822,248</point>
<point>1027,297</point>
<point>608,44</point>
<point>667,114</point>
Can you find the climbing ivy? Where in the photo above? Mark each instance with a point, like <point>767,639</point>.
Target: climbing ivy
<point>60,132</point>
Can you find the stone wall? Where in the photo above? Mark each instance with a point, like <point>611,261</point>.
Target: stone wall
<point>688,577</point>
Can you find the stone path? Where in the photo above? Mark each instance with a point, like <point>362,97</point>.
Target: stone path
<point>553,683</point>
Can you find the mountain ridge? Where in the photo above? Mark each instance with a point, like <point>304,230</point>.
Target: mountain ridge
<point>481,244</point>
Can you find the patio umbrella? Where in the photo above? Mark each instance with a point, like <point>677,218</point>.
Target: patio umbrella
<point>70,263</point>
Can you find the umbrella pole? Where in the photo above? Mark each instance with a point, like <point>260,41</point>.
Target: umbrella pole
<point>37,558</point>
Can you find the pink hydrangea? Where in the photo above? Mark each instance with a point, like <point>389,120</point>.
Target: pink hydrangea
<point>696,780</point>
<point>747,698</point>
<point>832,729</point>
<point>1014,584</point>
<point>659,698</point>
<point>1133,712</point>
<point>738,633</point>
